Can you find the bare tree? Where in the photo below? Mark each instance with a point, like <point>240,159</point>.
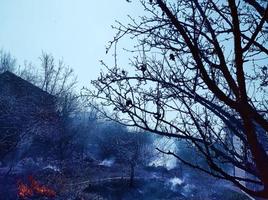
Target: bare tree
<point>131,148</point>
<point>199,69</point>
<point>60,81</point>
<point>7,62</point>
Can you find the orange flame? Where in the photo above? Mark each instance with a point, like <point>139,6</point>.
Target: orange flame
<point>24,191</point>
<point>35,189</point>
<point>41,190</point>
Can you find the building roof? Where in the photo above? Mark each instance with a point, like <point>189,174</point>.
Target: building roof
<point>15,85</point>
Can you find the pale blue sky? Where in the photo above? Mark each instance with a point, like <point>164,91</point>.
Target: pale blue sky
<point>75,30</point>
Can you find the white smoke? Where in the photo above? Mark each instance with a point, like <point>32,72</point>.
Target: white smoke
<point>188,190</point>
<point>52,167</point>
<point>164,160</point>
<point>174,182</point>
<point>107,162</point>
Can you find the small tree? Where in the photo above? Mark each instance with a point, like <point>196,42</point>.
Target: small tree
<point>130,148</point>
<point>59,80</point>
<point>7,62</point>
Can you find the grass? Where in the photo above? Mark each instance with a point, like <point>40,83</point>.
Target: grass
<point>155,189</point>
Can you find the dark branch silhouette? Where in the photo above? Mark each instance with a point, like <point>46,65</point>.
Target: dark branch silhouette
<point>205,82</point>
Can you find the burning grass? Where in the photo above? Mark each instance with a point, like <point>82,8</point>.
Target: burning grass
<point>34,189</point>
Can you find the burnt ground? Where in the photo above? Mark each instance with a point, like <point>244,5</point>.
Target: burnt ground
<point>83,180</point>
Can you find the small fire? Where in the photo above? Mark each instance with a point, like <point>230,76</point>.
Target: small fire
<point>35,189</point>
<point>24,191</point>
<point>41,190</point>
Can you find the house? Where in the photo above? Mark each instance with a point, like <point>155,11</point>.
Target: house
<point>15,86</point>
<point>25,111</point>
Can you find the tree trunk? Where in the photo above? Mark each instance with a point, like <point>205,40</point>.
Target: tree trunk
<point>259,155</point>
<point>131,178</point>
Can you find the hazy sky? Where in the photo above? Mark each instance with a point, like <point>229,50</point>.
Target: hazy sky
<point>75,30</point>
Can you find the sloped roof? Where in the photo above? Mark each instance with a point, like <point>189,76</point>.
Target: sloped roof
<point>21,87</point>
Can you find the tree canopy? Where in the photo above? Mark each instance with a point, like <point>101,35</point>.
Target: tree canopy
<point>198,73</point>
